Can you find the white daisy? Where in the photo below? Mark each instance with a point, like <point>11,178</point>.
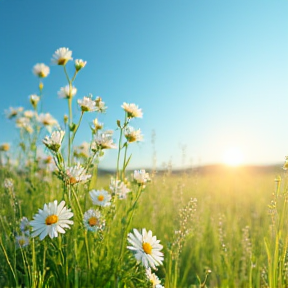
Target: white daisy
<point>62,56</point>
<point>29,114</point>
<point>100,197</point>
<point>132,110</point>
<point>34,99</point>
<point>79,64</point>
<point>13,112</point>
<point>41,70</point>
<point>87,104</point>
<point>54,141</point>
<point>47,120</point>
<point>103,141</point>
<point>153,278</point>
<point>146,248</point>
<point>51,220</point>
<point>25,124</point>
<point>92,220</point>
<point>66,92</point>
<point>22,241</point>
<point>100,105</point>
<point>133,135</point>
<point>119,188</point>
<point>77,174</point>
<point>141,177</point>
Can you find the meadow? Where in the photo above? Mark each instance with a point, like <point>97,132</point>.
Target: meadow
<point>64,223</point>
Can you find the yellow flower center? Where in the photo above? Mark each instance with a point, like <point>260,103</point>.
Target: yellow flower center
<point>62,61</point>
<point>73,180</point>
<point>51,219</point>
<point>93,221</point>
<point>147,247</point>
<point>21,242</point>
<point>100,197</point>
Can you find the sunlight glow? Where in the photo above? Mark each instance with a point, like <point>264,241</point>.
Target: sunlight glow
<point>233,157</point>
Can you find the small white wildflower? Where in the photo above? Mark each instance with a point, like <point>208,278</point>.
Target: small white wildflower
<point>103,141</point>
<point>67,92</point>
<point>41,70</point>
<point>22,241</point>
<point>34,99</point>
<point>132,110</point>
<point>79,64</point>
<point>100,105</point>
<point>77,174</point>
<point>92,220</point>
<point>13,112</point>
<point>119,188</point>
<point>25,225</point>
<point>146,248</point>
<point>87,104</point>
<point>8,183</point>
<point>54,141</point>
<point>47,120</point>
<point>51,220</point>
<point>141,177</point>
<point>29,114</point>
<point>133,135</point>
<point>62,56</point>
<point>96,126</point>
<point>153,278</point>
<point>100,197</point>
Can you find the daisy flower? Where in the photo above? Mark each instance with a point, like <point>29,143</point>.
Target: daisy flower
<point>79,64</point>
<point>62,56</point>
<point>146,248</point>
<point>100,105</point>
<point>41,70</point>
<point>119,188</point>
<point>29,114</point>
<point>4,147</point>
<point>133,135</point>
<point>103,141</point>
<point>66,92</point>
<point>51,220</point>
<point>141,177</point>
<point>156,283</point>
<point>22,241</point>
<point>132,110</point>
<point>34,99</point>
<point>100,197</point>
<point>77,174</point>
<point>47,119</point>
<point>87,104</point>
<point>92,220</point>
<point>54,141</point>
<point>24,123</point>
<point>13,112</point>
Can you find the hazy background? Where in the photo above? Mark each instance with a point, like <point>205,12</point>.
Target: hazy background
<point>209,75</point>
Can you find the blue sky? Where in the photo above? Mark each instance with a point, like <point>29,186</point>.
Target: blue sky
<point>209,75</point>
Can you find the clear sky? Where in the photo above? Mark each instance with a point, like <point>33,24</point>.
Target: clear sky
<point>208,74</point>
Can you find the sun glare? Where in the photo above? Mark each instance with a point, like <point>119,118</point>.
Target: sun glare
<point>233,157</point>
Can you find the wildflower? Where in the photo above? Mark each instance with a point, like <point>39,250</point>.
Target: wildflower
<point>119,188</point>
<point>77,174</point>
<point>8,183</point>
<point>24,123</point>
<point>103,141</point>
<point>96,126</point>
<point>54,141</point>
<point>29,114</point>
<point>21,241</point>
<point>146,248</point>
<point>132,110</point>
<point>13,112</point>
<point>47,120</point>
<point>25,225</point>
<point>87,104</point>
<point>133,135</point>
<point>285,166</point>
<point>100,197</point>
<point>79,64</point>
<point>82,150</point>
<point>34,99</point>
<point>41,70</point>
<point>141,177</point>
<point>51,220</point>
<point>92,220</point>
<point>100,105</point>
<point>62,56</point>
<point>153,278</point>
<point>4,147</point>
<point>67,92</point>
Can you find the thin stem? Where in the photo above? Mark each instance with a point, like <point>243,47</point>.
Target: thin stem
<point>76,129</point>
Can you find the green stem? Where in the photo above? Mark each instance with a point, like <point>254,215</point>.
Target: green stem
<point>75,131</point>
<point>124,162</point>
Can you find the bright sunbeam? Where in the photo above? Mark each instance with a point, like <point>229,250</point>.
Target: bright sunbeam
<point>233,157</point>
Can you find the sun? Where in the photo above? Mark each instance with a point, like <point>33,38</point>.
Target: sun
<point>233,157</point>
